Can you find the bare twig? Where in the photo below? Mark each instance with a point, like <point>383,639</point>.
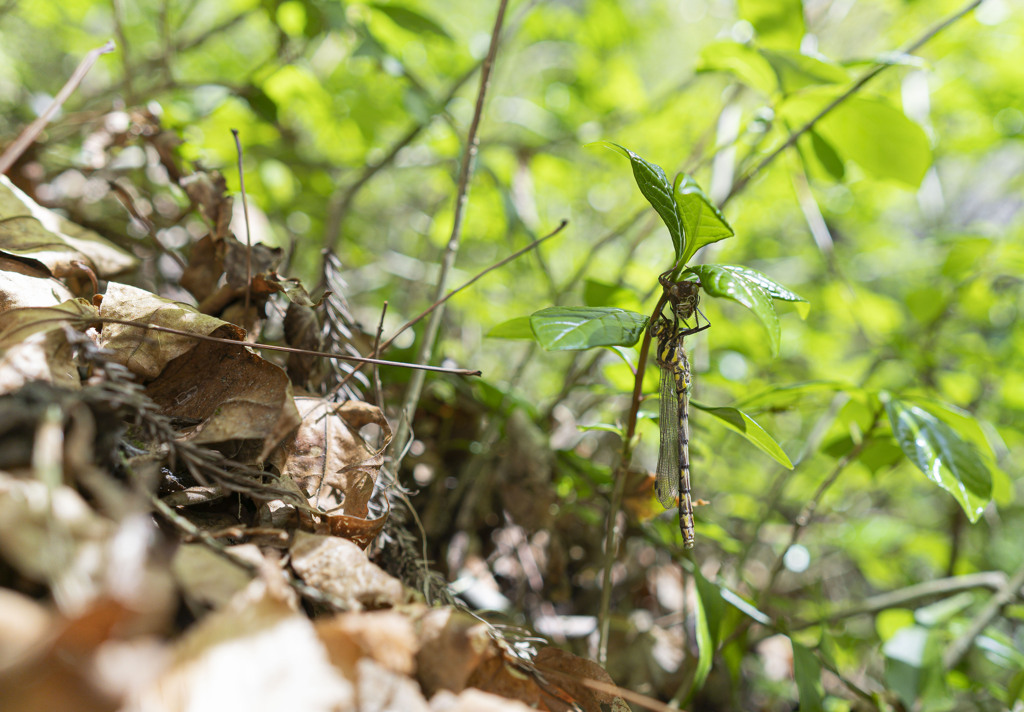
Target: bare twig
<point>33,130</point>
<point>248,230</point>
<point>462,196</point>
<point>1005,595</point>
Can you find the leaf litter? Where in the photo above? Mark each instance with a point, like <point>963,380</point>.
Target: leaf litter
<point>187,525</point>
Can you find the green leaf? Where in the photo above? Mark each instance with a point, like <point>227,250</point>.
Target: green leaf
<point>827,155</point>
<point>518,328</point>
<point>705,642</point>
<point>1015,689</point>
<point>654,185</point>
<point>410,19</point>
<point>600,294</point>
<point>577,328</point>
<point>798,71</point>
<point>714,607</point>
<point>703,223</point>
<point>906,657</point>
<point>807,672</point>
<point>746,608</point>
<point>743,62</point>
<point>740,422</point>
<point>871,132</point>
<point>942,454</point>
<point>779,23</point>
<point>743,286</point>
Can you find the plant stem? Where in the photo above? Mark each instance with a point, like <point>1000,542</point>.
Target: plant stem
<point>412,395</point>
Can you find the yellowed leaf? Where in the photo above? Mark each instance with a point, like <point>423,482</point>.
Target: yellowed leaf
<point>31,231</point>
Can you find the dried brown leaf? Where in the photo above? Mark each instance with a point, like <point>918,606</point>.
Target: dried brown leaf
<point>205,266</point>
<point>237,262</point>
<point>328,451</point>
<point>207,190</point>
<point>146,352</point>
<point>572,670</point>
<point>473,700</point>
<point>386,637</point>
<point>236,395</point>
<point>22,285</point>
<point>258,655</point>
<point>340,568</point>
<point>452,645</point>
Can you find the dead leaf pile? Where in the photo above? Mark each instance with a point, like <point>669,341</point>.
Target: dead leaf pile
<point>182,526</point>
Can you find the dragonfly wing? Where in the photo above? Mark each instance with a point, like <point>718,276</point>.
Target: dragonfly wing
<point>667,484</point>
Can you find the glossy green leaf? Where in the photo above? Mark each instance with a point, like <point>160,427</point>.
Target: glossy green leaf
<point>797,71</point>
<point>518,328</point>
<point>939,451</point>
<point>743,62</point>
<point>714,605</point>
<point>703,223</point>
<point>410,19</point>
<point>871,132</point>
<point>740,422</point>
<point>778,23</point>
<point>738,284</point>
<point>746,608</point>
<point>1015,690</point>
<point>807,673</point>
<point>602,294</point>
<point>654,186</point>
<point>577,328</point>
<point>906,655</point>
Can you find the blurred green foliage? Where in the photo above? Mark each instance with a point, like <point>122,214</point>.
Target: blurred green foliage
<point>899,219</point>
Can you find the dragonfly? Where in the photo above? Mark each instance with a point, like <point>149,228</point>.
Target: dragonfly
<point>673,479</point>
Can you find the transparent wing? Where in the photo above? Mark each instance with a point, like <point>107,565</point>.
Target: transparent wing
<point>667,485</point>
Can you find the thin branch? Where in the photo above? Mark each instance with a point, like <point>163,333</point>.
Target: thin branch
<point>33,130</point>
<point>412,322</point>
<point>248,230</point>
<point>1004,596</point>
<point>340,203</point>
<point>447,264</point>
<point>244,344</point>
<point>742,181</point>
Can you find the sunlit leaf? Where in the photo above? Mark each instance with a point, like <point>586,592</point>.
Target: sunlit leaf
<point>703,223</point>
<point>807,673</point>
<point>797,71</point>
<point>577,328</point>
<point>654,186</point>
<point>740,422</point>
<point>827,155</point>
<point>409,19</point>
<point>871,132</point>
<point>778,23</point>
<point>705,641</point>
<point>748,289</point>
<point>518,328</point>
<point>743,62</point>
<point>942,454</point>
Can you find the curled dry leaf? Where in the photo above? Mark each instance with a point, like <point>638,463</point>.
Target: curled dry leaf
<point>207,190</point>
<point>35,346</point>
<point>236,396</point>
<point>386,637</point>
<point>264,261</point>
<point>452,645</point>
<point>328,452</point>
<point>146,352</point>
<point>302,331</point>
<point>31,232</point>
<point>568,672</point>
<point>340,568</point>
<point>22,285</point>
<point>205,266</point>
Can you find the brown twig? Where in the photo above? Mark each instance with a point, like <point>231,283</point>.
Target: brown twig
<point>248,230</point>
<point>33,130</point>
<point>412,395</point>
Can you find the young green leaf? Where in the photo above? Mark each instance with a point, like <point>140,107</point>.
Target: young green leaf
<point>703,223</point>
<point>798,71</point>
<point>654,185</point>
<point>743,62</point>
<point>740,422</point>
<point>871,132</point>
<point>749,289</point>
<point>778,23</point>
<point>827,155</point>
<point>578,328</point>
<point>518,328</point>
<point>949,460</point>
<point>410,20</point>
<point>807,672</point>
